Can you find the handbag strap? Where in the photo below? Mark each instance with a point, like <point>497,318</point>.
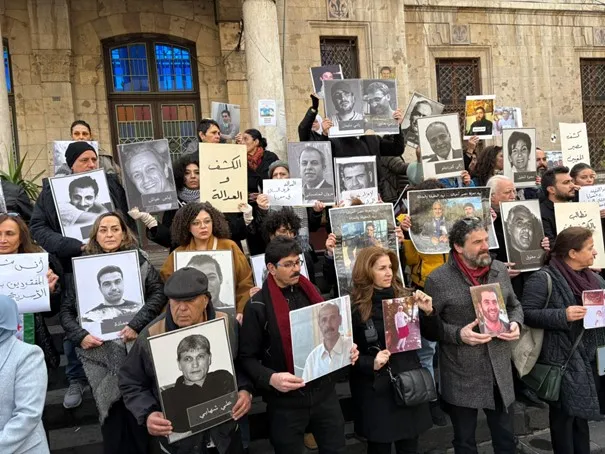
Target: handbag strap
<point>573,349</point>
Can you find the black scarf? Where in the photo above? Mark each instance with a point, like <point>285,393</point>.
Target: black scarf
<point>377,297</point>
<point>578,281</point>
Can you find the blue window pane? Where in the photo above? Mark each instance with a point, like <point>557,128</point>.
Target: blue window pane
<point>7,72</point>
<point>173,65</point>
<point>129,68</point>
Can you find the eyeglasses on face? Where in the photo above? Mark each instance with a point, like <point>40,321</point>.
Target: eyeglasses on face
<point>290,265</point>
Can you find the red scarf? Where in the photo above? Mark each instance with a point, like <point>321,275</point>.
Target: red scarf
<point>473,274</point>
<point>255,158</point>
<point>282,313</point>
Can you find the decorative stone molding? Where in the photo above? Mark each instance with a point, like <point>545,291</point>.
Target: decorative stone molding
<point>53,65</point>
<point>339,9</point>
<point>460,34</point>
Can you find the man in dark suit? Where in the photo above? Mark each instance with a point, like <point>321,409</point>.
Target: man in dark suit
<point>312,168</point>
<point>196,386</point>
<point>440,140</point>
<point>114,306</point>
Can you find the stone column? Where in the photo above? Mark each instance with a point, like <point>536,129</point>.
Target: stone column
<point>264,68</point>
<point>6,133</point>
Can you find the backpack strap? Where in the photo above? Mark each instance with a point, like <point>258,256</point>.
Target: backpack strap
<point>548,287</point>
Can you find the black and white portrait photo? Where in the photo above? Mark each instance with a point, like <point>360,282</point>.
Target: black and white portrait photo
<point>148,177</point>
<point>312,162</point>
<point>523,234</point>
<point>519,150</point>
<point>228,118</point>
<point>319,74</point>
<point>357,227</point>
<point>380,103</point>
<point>434,212</point>
<point>344,106</point>
<point>218,268</point>
<point>2,201</point>
<point>322,338</point>
<point>109,292</point>
<point>440,146</point>
<point>356,178</point>
<point>195,376</point>
<point>260,271</point>
<point>79,200</point>
<point>59,163</point>
<point>419,106</point>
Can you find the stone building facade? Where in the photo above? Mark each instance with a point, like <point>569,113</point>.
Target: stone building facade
<point>546,57</point>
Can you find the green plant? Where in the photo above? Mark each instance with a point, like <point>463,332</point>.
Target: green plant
<point>15,174</point>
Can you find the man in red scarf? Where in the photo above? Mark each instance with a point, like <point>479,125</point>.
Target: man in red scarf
<point>266,356</point>
<point>476,372</point>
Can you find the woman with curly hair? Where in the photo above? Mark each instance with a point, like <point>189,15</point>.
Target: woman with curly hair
<point>489,163</point>
<point>100,359</point>
<point>201,227</point>
<point>377,416</point>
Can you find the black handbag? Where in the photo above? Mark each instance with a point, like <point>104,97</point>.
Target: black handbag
<point>545,379</point>
<point>412,387</point>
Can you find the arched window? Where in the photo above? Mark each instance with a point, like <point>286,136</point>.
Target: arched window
<point>11,98</point>
<point>153,90</point>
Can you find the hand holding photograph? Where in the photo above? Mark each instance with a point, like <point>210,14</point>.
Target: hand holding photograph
<point>490,309</point>
<point>322,338</point>
<point>196,377</point>
<point>523,234</point>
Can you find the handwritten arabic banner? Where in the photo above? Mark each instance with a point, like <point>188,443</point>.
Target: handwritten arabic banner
<point>23,278</point>
<point>223,175</point>
<point>574,143</point>
<point>583,214</point>
<point>286,192</point>
<point>594,193</point>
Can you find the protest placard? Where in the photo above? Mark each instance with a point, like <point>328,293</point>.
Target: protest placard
<point>574,143</point>
<point>594,193</point>
<point>223,176</point>
<point>23,278</point>
<point>284,192</point>
<point>583,214</point>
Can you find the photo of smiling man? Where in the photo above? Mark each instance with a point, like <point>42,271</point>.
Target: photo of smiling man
<point>440,146</point>
<point>520,156</point>
<point>523,233</point>
<point>490,309</point>
<point>312,161</point>
<point>148,177</point>
<point>79,200</point>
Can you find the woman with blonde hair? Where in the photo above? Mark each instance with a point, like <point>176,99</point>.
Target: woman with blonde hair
<point>102,359</point>
<point>377,416</point>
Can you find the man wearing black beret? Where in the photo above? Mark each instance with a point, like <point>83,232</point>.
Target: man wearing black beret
<point>190,303</point>
<point>45,228</point>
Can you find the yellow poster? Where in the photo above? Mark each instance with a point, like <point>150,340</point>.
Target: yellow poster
<point>223,176</point>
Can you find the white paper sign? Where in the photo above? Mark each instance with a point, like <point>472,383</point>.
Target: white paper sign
<point>284,192</point>
<point>583,214</point>
<point>367,196</point>
<point>23,278</point>
<point>574,143</point>
<point>267,112</point>
<point>594,193</point>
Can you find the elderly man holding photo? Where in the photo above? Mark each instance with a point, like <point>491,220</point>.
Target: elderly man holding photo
<point>476,369</point>
<point>189,303</point>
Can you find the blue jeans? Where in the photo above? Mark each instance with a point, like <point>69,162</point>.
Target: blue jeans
<point>74,370</point>
<point>426,354</point>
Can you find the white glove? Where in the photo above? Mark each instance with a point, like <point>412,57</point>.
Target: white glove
<point>147,219</point>
<point>246,208</point>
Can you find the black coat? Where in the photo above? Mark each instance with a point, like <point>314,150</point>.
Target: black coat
<point>17,200</point>
<point>547,212</point>
<point>153,291</point>
<point>579,390</point>
<point>256,177</point>
<point>377,417</point>
<point>305,128</point>
<point>46,228</point>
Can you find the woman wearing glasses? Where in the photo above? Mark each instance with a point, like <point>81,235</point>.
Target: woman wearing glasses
<point>15,239</point>
<point>201,227</point>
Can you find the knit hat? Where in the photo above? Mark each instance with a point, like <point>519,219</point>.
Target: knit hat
<point>186,284</point>
<point>75,149</point>
<point>277,164</point>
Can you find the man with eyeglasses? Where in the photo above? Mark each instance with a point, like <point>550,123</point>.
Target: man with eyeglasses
<point>378,98</point>
<point>266,356</point>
